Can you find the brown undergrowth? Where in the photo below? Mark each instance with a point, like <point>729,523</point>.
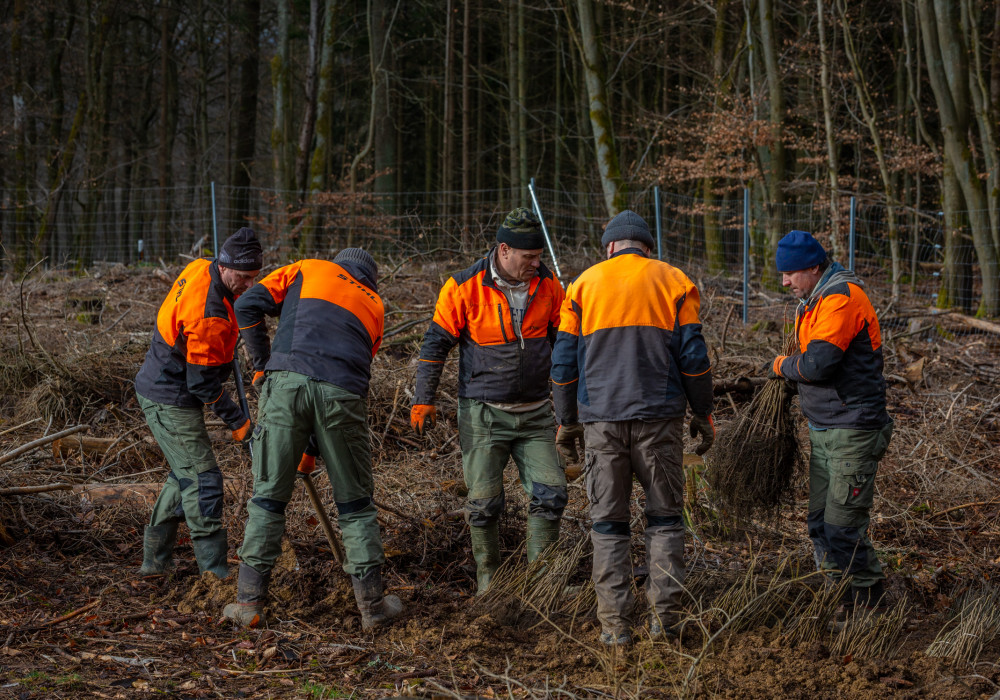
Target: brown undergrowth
<point>77,620</point>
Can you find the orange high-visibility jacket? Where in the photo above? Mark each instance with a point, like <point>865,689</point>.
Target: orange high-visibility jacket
<point>330,325</point>
<point>494,365</point>
<point>193,342</point>
<point>839,363</point>
<point>630,344</point>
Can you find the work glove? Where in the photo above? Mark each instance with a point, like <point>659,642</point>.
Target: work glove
<point>307,464</point>
<point>768,369</point>
<point>566,439</point>
<point>422,417</point>
<point>258,381</point>
<point>244,432</point>
<point>705,426</point>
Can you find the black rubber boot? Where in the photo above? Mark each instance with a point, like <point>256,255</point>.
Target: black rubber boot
<point>158,548</point>
<point>376,608</point>
<point>870,597</point>
<point>541,534</point>
<point>211,553</point>
<point>251,595</point>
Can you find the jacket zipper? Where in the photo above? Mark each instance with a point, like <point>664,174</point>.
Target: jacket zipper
<point>500,317</point>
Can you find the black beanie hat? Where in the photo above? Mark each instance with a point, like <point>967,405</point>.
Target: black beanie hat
<point>361,258</point>
<point>242,251</point>
<point>521,229</point>
<point>628,226</point>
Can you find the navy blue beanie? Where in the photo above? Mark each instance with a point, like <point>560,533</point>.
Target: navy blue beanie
<point>798,251</point>
<point>242,251</point>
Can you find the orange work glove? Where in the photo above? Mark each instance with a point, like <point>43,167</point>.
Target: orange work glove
<point>307,464</point>
<point>422,417</point>
<point>242,433</point>
<point>705,426</point>
<point>258,380</point>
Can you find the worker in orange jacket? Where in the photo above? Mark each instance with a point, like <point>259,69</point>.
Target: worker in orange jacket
<point>629,359</point>
<point>503,313</point>
<point>838,371</point>
<point>190,357</point>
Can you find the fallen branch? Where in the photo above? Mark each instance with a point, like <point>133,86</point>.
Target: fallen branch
<point>21,490</point>
<point>966,505</point>
<point>71,615</point>
<point>41,442</point>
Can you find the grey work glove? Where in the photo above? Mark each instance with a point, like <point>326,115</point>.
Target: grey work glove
<point>566,439</point>
<point>705,426</point>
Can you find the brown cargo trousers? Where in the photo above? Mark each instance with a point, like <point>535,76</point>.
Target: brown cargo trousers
<point>652,451</point>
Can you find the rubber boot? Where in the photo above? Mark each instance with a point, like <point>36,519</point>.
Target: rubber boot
<point>158,548</point>
<point>612,576</point>
<point>665,583</point>
<point>376,609</point>
<point>211,552</point>
<point>542,533</point>
<point>872,597</point>
<point>486,552</point>
<point>251,595</point>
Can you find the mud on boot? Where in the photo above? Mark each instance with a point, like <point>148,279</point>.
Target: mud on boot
<point>616,639</point>
<point>158,548</point>
<point>376,609</point>
<point>251,595</point>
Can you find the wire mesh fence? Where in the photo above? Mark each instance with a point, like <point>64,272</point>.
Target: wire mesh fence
<point>704,236</point>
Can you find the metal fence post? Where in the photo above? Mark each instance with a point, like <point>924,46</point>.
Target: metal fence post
<point>215,224</point>
<point>659,223</point>
<point>851,235</point>
<point>545,229</point>
<point>746,255</point>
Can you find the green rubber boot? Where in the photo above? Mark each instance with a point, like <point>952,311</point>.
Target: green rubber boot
<point>158,548</point>
<point>542,533</point>
<point>486,552</point>
<point>251,595</point>
<point>211,553</point>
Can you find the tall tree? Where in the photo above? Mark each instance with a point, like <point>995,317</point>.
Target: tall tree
<point>246,119</point>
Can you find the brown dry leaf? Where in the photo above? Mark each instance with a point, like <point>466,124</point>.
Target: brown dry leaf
<point>187,686</point>
<point>7,651</point>
<point>914,372</point>
<point>269,652</point>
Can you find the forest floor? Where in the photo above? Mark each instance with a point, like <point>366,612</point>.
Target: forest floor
<point>76,618</point>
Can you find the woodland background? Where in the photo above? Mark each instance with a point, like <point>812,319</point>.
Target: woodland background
<point>413,126</point>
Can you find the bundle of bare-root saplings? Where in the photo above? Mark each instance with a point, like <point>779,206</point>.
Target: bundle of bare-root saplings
<point>751,468</point>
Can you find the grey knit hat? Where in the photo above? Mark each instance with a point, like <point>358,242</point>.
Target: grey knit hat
<point>242,251</point>
<point>628,226</point>
<point>361,258</point>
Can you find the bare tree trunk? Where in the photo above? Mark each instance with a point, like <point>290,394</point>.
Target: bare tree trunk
<point>309,113</point>
<point>948,70</point>
<point>715,250</point>
<point>381,59</point>
<point>832,160</point>
<point>246,120</point>
<point>19,97</point>
<point>870,115</point>
<point>522,106</point>
<point>324,109</point>
<point>514,142</point>
<point>280,124</point>
<point>774,153</point>
<point>466,108</point>
<point>447,142</point>
<point>600,117</point>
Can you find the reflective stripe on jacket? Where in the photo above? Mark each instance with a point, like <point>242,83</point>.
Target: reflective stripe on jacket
<point>192,350</point>
<point>494,365</point>
<point>330,325</point>
<point>630,344</point>
<point>839,364</point>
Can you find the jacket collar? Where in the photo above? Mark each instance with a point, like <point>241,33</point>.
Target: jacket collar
<point>630,251</point>
<point>834,275</point>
